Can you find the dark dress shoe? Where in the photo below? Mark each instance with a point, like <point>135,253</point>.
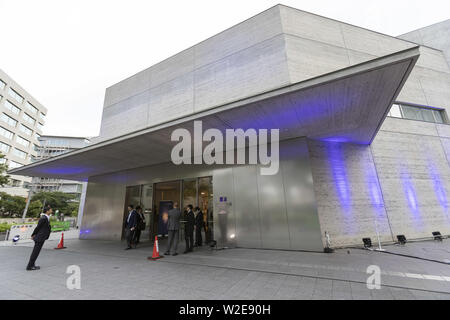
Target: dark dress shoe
<point>34,268</point>
<point>187,251</point>
<point>128,248</point>
<point>167,253</point>
<point>175,254</point>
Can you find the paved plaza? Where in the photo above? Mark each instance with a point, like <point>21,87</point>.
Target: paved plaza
<point>109,272</point>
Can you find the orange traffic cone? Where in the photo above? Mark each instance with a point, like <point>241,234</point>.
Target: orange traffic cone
<point>61,243</point>
<point>155,255</point>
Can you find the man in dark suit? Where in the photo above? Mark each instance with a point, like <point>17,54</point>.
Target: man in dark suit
<point>130,226</point>
<point>189,229</point>
<point>39,235</point>
<point>140,224</point>
<point>199,224</point>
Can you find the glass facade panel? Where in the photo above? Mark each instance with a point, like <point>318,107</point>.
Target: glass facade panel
<point>2,84</point>
<point>417,113</point>
<point>438,116</point>
<point>427,115</point>
<point>395,111</point>
<point>189,193</point>
<point>411,113</point>
<point>205,202</point>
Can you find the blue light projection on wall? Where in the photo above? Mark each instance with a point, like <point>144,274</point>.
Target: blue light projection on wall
<point>64,170</point>
<point>411,196</point>
<point>337,165</point>
<point>438,186</point>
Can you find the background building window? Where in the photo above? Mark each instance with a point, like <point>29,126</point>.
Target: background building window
<point>26,130</point>
<point>4,148</point>
<point>2,84</point>
<point>29,119</point>
<point>32,108</point>
<point>11,107</point>
<point>22,141</point>
<point>6,133</point>
<point>20,153</point>
<point>15,95</point>
<point>417,113</point>
<point>8,120</point>
<point>13,165</point>
<point>39,126</point>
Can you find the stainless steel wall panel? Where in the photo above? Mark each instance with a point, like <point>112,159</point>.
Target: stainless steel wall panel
<point>246,207</point>
<point>224,219</point>
<point>260,211</point>
<point>272,204</point>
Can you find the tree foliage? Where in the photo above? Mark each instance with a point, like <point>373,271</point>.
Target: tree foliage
<point>4,178</point>
<point>14,205</point>
<point>11,205</point>
<point>63,202</point>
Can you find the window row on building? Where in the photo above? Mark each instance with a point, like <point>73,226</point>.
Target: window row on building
<point>20,100</point>
<point>417,113</point>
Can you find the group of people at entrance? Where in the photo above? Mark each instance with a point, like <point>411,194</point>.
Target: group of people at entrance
<point>193,222</point>
<point>134,225</point>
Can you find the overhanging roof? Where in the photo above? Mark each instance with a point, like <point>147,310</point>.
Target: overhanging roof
<point>348,105</point>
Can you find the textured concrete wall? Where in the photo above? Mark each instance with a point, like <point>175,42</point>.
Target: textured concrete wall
<point>244,60</point>
<point>435,36</point>
<point>348,194</point>
<point>414,174</point>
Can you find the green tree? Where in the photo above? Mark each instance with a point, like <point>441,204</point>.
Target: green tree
<point>35,209</point>
<point>58,201</point>
<point>11,205</point>
<point>4,178</point>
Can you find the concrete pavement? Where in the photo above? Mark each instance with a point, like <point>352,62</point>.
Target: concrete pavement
<point>109,272</point>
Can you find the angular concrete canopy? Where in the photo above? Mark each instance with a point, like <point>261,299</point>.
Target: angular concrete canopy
<point>348,105</point>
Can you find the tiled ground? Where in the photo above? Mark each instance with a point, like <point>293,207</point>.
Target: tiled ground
<point>109,272</point>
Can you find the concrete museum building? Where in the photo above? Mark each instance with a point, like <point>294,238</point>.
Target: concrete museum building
<point>363,128</point>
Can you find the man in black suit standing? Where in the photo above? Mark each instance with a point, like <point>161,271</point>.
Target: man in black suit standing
<point>130,226</point>
<point>199,225</point>
<point>189,229</point>
<point>39,235</point>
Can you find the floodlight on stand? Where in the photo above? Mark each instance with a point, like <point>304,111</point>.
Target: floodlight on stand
<point>367,243</point>
<point>437,235</point>
<point>401,239</point>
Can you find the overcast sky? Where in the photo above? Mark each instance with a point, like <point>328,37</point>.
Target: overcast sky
<point>66,53</point>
